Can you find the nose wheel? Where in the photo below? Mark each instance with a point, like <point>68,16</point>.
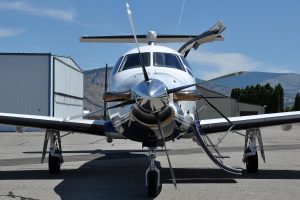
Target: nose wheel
<point>152,175</point>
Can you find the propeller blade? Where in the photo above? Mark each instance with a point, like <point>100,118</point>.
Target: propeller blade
<point>224,76</point>
<point>96,111</point>
<point>136,42</point>
<point>122,104</point>
<point>82,115</point>
<point>169,91</point>
<point>105,90</point>
<point>166,150</point>
<point>228,75</point>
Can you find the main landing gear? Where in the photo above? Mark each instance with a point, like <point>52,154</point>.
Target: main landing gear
<point>250,157</point>
<point>152,175</point>
<point>55,158</point>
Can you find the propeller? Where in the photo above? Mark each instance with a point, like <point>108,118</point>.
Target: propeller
<point>128,95</point>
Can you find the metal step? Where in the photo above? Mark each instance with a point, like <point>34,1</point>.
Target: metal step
<point>210,155</point>
<point>221,157</point>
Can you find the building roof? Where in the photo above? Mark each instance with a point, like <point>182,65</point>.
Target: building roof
<point>65,59</point>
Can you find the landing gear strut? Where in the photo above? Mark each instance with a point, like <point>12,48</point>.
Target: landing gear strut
<point>152,175</point>
<point>250,157</point>
<point>55,158</point>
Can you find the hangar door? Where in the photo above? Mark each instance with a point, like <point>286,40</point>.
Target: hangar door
<point>68,88</point>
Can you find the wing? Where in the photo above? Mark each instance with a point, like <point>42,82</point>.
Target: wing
<point>248,122</point>
<point>96,127</point>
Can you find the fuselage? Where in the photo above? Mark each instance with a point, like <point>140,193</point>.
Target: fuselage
<point>164,67</point>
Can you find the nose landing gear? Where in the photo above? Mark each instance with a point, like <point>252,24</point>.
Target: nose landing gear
<point>152,175</point>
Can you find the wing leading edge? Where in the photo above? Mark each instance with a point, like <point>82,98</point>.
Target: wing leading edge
<point>95,127</point>
<point>248,122</point>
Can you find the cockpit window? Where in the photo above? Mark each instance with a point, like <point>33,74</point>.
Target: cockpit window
<point>185,62</point>
<point>167,60</point>
<point>131,61</point>
<point>116,67</point>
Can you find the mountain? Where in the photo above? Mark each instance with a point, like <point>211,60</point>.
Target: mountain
<point>289,81</point>
<point>94,85</point>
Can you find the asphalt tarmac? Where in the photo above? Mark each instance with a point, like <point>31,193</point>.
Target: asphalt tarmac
<point>94,169</point>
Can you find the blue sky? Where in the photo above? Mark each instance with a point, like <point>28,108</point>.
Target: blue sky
<point>261,35</point>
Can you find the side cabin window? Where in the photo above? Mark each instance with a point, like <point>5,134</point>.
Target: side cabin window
<point>131,61</point>
<point>167,60</point>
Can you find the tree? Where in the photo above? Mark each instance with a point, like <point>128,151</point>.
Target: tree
<point>235,93</point>
<point>265,95</point>
<point>278,98</point>
<point>297,102</point>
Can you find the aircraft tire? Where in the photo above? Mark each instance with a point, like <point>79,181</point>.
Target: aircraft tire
<point>152,183</point>
<point>53,164</point>
<point>252,164</point>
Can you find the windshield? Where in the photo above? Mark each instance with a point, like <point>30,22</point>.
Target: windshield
<point>167,60</point>
<point>116,67</point>
<point>131,61</point>
<point>188,67</point>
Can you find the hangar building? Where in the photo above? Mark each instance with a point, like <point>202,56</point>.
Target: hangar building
<point>228,106</point>
<point>40,84</point>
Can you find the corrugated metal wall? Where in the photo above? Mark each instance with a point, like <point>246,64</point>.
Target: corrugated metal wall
<point>25,83</point>
<point>245,107</point>
<point>67,106</point>
<point>223,104</point>
<point>228,106</point>
<point>40,84</point>
<point>68,87</point>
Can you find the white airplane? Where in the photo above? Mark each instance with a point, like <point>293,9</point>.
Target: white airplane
<point>152,99</point>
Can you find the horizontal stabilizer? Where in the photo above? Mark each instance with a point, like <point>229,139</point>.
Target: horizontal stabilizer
<point>140,38</point>
<point>212,34</point>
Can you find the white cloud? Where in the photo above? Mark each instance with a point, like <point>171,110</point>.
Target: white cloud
<point>219,64</point>
<point>9,32</point>
<point>24,6</point>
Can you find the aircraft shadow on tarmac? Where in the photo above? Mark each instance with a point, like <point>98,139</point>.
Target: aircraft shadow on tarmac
<point>120,175</point>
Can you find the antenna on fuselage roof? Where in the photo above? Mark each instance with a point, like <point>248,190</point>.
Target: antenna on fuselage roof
<point>136,42</point>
